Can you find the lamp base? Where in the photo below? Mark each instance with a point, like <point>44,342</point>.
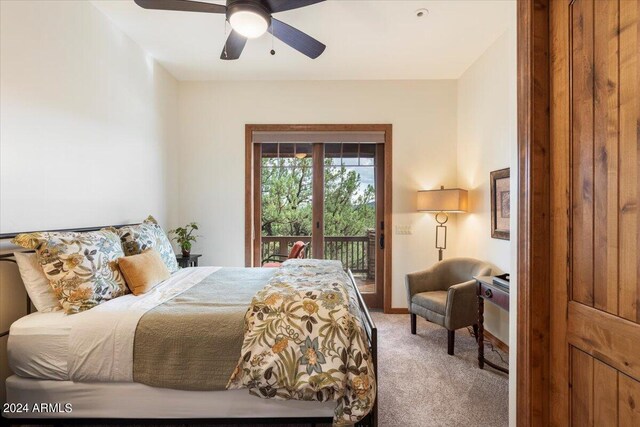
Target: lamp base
<point>441,233</point>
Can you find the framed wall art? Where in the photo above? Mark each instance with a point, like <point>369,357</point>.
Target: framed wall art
<point>500,204</point>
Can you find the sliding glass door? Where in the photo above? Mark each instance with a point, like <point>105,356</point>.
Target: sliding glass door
<point>329,195</point>
<point>286,207</point>
<point>350,209</point>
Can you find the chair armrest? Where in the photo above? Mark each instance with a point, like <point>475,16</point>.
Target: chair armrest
<point>462,305</point>
<point>423,281</point>
<point>276,258</point>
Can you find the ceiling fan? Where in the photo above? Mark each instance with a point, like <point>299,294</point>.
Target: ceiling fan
<point>249,19</point>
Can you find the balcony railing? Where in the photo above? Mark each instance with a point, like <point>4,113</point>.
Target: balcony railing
<point>356,253</point>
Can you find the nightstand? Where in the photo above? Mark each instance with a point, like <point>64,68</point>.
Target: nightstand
<point>190,261</point>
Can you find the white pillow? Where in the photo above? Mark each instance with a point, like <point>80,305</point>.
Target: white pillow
<point>36,283</point>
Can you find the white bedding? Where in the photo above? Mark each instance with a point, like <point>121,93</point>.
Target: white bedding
<point>133,400</point>
<point>38,346</point>
<point>92,346</point>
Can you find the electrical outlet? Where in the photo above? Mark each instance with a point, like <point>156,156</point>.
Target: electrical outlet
<point>403,229</point>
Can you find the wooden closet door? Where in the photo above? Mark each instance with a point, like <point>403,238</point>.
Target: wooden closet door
<point>595,176</point>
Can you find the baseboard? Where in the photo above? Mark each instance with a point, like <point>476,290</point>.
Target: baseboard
<point>397,310</point>
<point>496,342</point>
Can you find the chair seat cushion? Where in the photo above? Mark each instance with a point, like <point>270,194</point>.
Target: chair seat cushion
<point>435,300</point>
<point>272,264</point>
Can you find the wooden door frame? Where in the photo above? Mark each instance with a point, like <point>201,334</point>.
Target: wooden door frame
<point>250,182</point>
<point>534,214</point>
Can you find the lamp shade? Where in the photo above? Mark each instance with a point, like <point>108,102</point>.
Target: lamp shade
<point>449,200</point>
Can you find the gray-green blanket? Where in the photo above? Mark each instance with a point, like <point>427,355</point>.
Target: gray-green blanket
<point>192,341</point>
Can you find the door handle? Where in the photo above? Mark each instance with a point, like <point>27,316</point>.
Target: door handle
<point>382,241</point>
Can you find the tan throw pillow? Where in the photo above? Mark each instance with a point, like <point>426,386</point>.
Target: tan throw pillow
<point>144,271</point>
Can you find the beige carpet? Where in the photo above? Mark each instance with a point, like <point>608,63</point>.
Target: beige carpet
<point>422,386</point>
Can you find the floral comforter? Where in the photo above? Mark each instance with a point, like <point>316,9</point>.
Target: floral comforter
<point>304,340</point>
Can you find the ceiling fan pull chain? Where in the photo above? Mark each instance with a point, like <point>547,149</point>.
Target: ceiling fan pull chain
<point>273,51</point>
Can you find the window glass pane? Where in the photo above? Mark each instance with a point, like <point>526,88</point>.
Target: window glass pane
<point>287,162</point>
<point>367,150</point>
<point>287,150</point>
<point>269,150</point>
<point>350,213</point>
<point>350,150</point>
<point>332,150</point>
<point>303,150</point>
<point>286,201</point>
<point>269,162</point>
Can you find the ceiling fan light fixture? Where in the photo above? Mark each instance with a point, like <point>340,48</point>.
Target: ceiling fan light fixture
<point>249,19</point>
<point>249,24</point>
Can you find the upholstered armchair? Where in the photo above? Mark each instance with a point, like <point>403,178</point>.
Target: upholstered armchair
<point>446,294</point>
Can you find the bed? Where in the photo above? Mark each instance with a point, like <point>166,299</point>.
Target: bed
<point>82,358</point>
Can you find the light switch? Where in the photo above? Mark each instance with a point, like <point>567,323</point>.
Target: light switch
<point>403,229</point>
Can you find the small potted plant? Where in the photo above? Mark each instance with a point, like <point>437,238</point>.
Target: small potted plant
<point>183,236</point>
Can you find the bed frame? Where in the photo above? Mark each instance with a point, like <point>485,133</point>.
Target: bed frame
<point>371,420</point>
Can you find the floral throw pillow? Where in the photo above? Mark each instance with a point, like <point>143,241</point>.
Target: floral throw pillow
<point>81,268</point>
<point>137,238</point>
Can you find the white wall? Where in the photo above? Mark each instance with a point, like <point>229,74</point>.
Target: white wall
<point>85,121</point>
<point>486,137</point>
<point>86,117</point>
<point>487,141</point>
<point>211,154</point>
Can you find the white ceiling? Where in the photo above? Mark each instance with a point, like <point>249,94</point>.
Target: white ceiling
<point>366,40</point>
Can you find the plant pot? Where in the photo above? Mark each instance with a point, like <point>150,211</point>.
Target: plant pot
<point>186,253</point>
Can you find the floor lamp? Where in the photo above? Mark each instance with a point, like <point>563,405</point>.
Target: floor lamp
<point>442,202</point>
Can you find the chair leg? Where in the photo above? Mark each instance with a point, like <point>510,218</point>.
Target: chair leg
<point>475,331</point>
<point>413,324</point>
<point>451,340</point>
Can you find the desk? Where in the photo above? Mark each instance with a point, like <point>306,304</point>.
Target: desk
<point>497,295</point>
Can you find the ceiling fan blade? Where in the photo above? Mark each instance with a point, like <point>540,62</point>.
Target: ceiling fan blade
<point>282,5</point>
<point>182,5</point>
<point>295,38</point>
<point>234,46</point>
